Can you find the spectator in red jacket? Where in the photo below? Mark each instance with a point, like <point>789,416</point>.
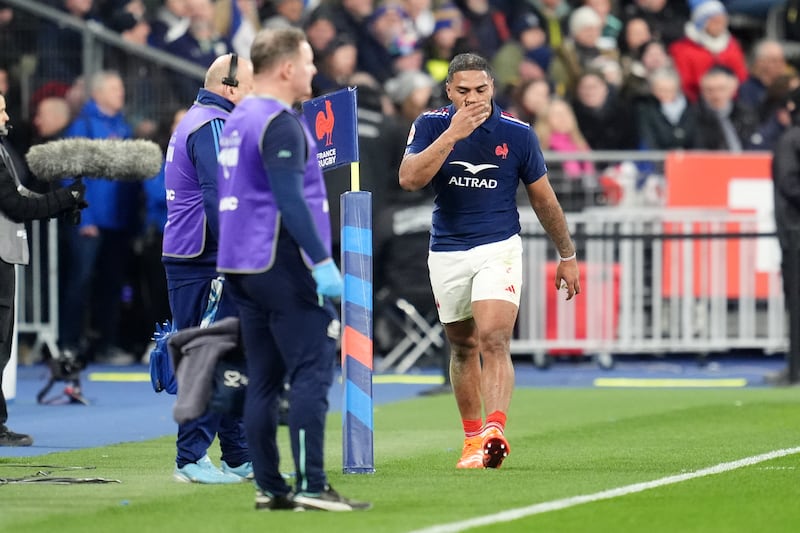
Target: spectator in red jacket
<point>707,43</point>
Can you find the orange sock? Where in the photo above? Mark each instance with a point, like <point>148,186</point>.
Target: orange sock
<point>472,428</point>
<point>496,419</point>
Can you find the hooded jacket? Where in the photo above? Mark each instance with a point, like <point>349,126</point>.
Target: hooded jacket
<point>195,352</point>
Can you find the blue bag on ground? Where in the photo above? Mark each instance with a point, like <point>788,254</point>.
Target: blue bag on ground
<point>162,369</point>
<point>162,375</point>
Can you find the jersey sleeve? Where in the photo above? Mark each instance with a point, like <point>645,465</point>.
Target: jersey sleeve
<point>534,166</point>
<point>420,136</point>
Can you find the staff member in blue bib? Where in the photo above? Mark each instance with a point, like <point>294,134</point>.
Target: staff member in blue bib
<point>474,155</point>
<point>275,249</point>
<point>189,255</point>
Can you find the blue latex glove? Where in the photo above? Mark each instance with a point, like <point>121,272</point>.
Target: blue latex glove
<point>328,278</point>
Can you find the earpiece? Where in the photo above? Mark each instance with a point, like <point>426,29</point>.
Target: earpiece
<point>230,79</point>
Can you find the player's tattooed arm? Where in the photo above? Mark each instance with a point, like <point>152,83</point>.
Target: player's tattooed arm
<point>417,170</point>
<point>545,204</point>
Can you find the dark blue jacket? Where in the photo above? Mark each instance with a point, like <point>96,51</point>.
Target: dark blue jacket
<point>112,204</point>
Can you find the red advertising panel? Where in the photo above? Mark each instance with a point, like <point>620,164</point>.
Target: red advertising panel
<point>711,180</point>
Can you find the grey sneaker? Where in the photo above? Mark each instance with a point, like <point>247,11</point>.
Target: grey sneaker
<point>268,502</point>
<point>329,500</point>
<point>9,438</point>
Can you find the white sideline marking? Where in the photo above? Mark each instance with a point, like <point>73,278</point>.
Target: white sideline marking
<point>555,505</point>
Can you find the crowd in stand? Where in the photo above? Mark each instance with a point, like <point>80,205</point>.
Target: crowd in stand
<point>588,75</point>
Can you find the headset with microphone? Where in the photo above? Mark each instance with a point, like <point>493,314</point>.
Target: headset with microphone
<point>230,80</point>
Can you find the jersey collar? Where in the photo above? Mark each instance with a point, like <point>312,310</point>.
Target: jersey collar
<point>206,97</point>
<point>494,119</point>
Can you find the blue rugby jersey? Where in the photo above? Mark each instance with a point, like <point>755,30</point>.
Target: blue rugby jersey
<point>476,187</point>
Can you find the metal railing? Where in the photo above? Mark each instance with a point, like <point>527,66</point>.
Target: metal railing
<point>95,32</point>
<point>96,38</point>
<point>37,288</point>
<point>655,280</point>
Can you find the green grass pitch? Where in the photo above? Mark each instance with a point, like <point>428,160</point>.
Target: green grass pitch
<point>564,443</point>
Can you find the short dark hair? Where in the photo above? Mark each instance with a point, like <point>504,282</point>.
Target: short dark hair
<point>272,45</point>
<point>720,69</point>
<point>468,61</point>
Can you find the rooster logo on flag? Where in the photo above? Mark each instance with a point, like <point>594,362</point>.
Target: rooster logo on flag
<point>324,124</point>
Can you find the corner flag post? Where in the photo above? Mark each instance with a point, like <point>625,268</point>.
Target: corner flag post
<point>335,118</point>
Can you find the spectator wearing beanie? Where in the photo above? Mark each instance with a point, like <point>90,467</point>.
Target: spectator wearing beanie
<point>583,47</point>
<point>707,43</point>
<point>751,8</point>
<point>528,43</point>
<point>612,26</point>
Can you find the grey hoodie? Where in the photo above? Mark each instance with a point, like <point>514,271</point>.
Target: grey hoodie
<point>195,352</point>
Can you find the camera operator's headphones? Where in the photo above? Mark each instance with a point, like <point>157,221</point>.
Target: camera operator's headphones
<point>230,79</point>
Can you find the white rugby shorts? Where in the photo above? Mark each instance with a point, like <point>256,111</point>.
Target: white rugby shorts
<point>487,272</point>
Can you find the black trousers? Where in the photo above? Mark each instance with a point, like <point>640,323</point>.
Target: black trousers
<point>188,299</point>
<point>288,336</point>
<point>790,270</point>
<point>7,287</point>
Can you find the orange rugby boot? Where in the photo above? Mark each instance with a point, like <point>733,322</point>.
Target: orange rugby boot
<point>494,446</point>
<point>472,454</point>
